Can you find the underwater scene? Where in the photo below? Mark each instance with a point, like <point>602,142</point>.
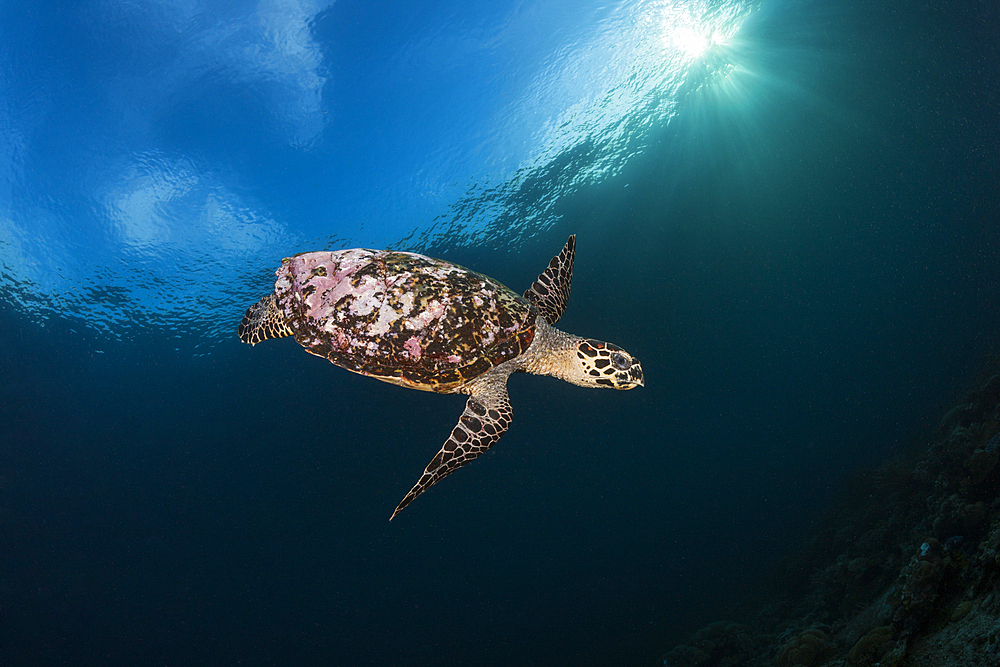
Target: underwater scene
<point>680,321</point>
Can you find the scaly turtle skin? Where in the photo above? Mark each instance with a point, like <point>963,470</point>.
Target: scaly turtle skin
<point>428,324</point>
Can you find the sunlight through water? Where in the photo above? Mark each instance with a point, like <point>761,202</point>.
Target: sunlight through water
<point>156,205</point>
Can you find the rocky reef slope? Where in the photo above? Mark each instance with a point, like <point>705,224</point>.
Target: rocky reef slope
<point>904,573</point>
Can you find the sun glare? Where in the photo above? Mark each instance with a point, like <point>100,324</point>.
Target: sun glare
<point>688,35</point>
<point>690,41</point>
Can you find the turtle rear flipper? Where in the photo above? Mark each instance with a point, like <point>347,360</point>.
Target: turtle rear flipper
<point>263,321</point>
<point>550,292</point>
<point>486,417</point>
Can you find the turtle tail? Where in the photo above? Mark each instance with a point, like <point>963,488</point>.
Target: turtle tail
<point>263,321</point>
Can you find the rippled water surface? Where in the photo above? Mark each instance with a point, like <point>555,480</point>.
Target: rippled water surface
<point>159,155</point>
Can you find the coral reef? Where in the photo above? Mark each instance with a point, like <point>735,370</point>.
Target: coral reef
<point>870,648</point>
<point>716,645</point>
<point>905,571</point>
<point>802,649</point>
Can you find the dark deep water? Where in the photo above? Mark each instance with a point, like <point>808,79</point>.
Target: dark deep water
<point>805,294</point>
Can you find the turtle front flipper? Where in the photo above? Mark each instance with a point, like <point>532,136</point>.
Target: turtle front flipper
<point>550,292</point>
<point>486,417</point>
<point>263,321</point>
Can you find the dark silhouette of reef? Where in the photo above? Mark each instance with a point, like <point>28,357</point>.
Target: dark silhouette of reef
<point>904,571</point>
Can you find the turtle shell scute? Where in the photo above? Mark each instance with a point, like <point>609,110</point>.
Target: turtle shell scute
<point>402,317</point>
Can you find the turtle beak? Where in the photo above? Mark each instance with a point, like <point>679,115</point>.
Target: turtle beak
<point>635,375</point>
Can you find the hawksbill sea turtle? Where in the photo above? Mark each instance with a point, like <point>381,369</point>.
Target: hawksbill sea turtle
<point>428,324</point>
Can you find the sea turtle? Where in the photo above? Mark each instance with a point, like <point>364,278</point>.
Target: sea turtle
<point>428,324</point>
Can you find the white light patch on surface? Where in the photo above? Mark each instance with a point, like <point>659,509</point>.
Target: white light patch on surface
<point>270,48</point>
<point>690,41</point>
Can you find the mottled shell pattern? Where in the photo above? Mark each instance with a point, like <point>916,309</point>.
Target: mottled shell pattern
<point>402,317</point>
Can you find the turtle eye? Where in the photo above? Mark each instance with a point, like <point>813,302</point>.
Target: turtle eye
<point>620,361</point>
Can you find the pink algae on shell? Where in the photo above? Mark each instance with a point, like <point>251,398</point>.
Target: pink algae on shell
<point>412,345</point>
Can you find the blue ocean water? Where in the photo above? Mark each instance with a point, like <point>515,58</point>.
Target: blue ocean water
<point>787,210</point>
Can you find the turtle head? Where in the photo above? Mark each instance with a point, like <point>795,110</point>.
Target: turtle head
<point>606,365</point>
